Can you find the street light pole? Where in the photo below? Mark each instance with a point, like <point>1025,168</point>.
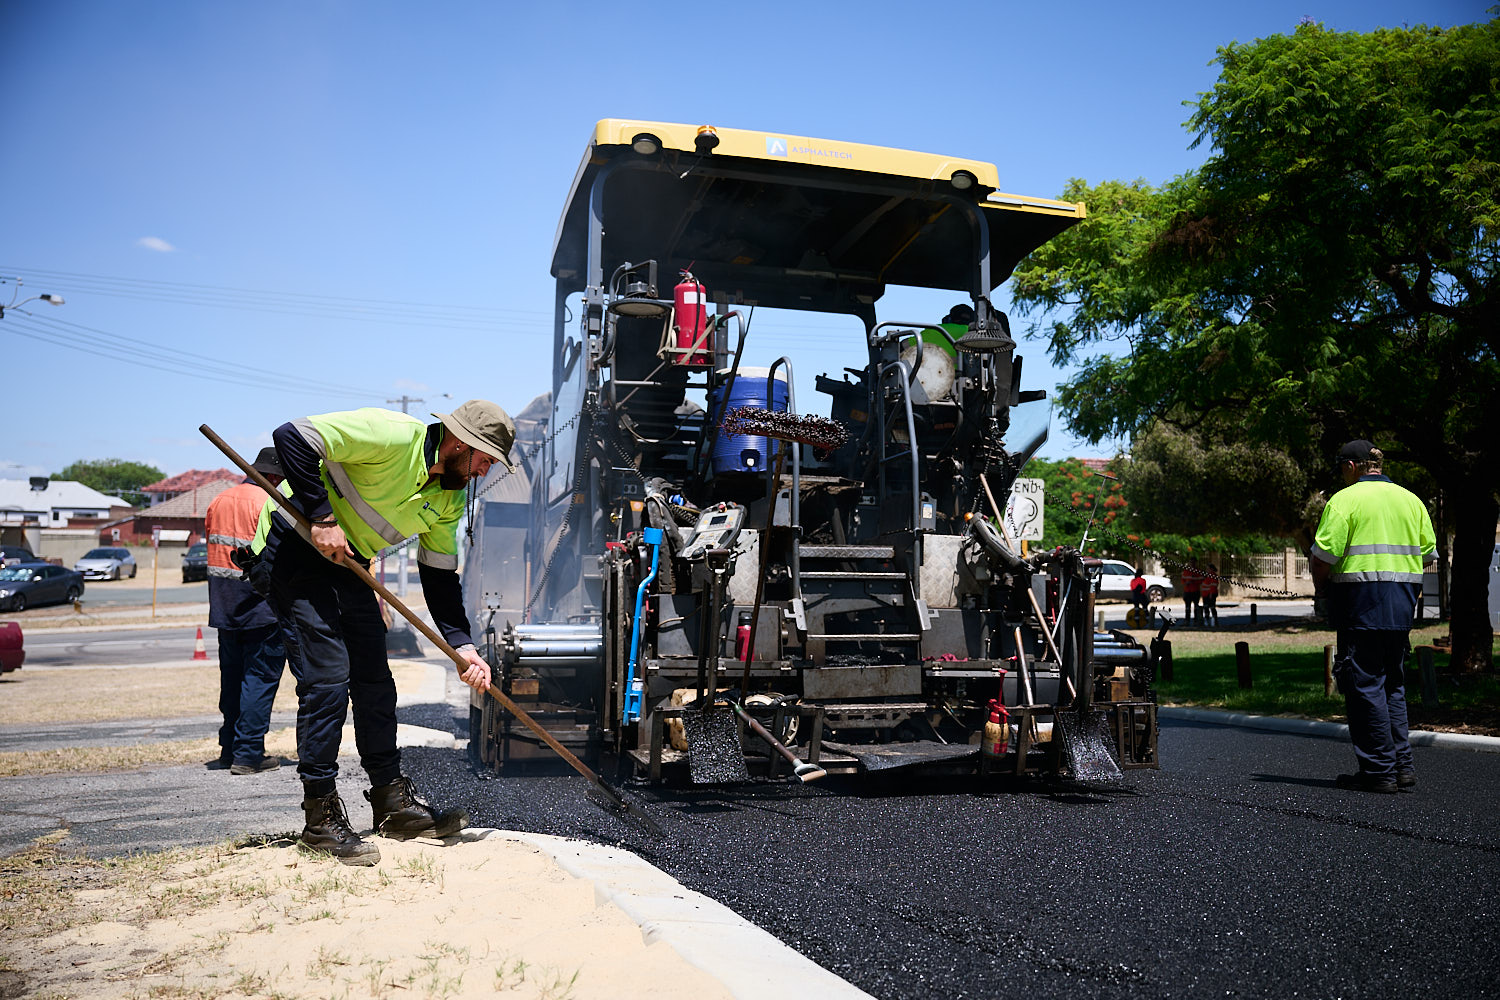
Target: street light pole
<point>47,297</point>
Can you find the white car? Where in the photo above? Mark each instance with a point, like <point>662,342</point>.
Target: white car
<point>1114,581</point>
<point>110,563</point>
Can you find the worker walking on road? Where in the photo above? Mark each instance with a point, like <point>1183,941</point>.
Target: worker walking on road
<point>1373,540</point>
<point>251,654</point>
<point>367,479</point>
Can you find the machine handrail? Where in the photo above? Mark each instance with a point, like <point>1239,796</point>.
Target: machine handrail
<point>903,369</point>
<point>796,506</point>
<point>919,328</point>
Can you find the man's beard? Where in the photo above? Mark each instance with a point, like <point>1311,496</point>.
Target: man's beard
<point>455,474</point>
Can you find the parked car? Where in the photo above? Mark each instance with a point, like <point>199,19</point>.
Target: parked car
<point>195,563</point>
<point>12,647</point>
<point>14,553</point>
<point>26,585</point>
<point>107,564</point>
<point>1115,576</point>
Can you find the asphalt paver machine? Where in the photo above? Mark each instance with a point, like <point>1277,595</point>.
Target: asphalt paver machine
<point>697,542</point>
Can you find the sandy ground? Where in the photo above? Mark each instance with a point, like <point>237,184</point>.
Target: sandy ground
<point>481,918</point>
<point>472,918</point>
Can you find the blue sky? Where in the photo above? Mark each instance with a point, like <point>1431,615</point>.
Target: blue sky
<point>284,208</point>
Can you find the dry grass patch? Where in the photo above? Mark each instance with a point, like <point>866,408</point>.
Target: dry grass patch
<point>106,695</point>
<point>279,743</point>
<point>263,919</point>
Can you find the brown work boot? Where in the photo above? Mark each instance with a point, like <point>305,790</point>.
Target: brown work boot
<point>400,815</point>
<point>328,832</point>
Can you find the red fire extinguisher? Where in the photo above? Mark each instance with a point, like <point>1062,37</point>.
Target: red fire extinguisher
<point>690,323</point>
<point>996,731</point>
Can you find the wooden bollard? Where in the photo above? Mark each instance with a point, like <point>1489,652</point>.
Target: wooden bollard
<point>1328,686</point>
<point>1252,614</point>
<point>1429,676</point>
<point>1242,663</point>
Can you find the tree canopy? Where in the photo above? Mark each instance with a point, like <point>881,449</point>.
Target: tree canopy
<point>1329,273</point>
<point>112,475</point>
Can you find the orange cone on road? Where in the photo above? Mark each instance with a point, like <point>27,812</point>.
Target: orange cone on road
<point>199,653</point>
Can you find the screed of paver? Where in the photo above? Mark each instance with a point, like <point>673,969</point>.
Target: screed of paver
<point>475,919</point>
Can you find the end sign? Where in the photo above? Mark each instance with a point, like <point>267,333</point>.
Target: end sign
<point>1023,510</point>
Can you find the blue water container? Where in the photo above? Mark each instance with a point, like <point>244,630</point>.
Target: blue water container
<point>744,452</point>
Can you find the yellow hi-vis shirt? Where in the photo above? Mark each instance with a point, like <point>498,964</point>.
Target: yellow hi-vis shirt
<point>1378,537</point>
<point>376,472</point>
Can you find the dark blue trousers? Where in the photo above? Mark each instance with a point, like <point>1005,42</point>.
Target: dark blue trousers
<point>250,663</point>
<point>336,638</point>
<point>1370,668</point>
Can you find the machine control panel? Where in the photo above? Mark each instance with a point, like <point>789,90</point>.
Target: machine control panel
<point>716,529</point>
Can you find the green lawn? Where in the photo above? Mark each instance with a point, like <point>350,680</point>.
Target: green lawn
<point>1286,666</point>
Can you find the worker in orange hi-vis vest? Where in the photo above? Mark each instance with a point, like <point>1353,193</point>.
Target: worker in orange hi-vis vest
<point>251,652</point>
<point>1208,591</point>
<point>1192,582</point>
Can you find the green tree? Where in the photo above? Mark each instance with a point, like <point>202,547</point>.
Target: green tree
<point>1328,274</point>
<point>1213,480</point>
<point>114,476</point>
<point>1075,496</point>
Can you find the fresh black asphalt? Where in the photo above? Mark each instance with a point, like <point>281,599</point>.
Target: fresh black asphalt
<point>1237,870</point>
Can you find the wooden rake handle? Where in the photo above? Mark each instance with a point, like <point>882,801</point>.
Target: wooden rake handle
<point>417,623</point>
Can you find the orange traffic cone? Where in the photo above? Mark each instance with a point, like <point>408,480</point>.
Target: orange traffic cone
<point>199,653</point>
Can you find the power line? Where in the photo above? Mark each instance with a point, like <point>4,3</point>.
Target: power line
<point>387,312</point>
<point>145,348</point>
<point>290,296</point>
<point>33,329</point>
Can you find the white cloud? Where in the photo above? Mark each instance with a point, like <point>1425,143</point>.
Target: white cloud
<point>155,243</point>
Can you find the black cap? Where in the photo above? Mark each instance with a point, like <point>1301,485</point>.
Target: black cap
<point>267,464</point>
<point>1356,451</point>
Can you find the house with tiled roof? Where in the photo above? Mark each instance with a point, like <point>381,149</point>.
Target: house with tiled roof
<point>180,518</point>
<point>185,482</point>
<point>30,507</point>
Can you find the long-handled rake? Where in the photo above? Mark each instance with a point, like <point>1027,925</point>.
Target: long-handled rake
<point>613,797</point>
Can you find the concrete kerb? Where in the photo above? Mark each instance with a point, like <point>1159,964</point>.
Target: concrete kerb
<point>751,963</point>
<point>1330,730</point>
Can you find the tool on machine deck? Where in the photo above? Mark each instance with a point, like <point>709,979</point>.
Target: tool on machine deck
<point>804,771</point>
<point>614,798</point>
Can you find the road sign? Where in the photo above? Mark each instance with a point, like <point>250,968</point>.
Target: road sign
<point>155,536</point>
<point>1023,510</point>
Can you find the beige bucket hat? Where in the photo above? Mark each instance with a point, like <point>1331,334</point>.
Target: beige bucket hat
<point>484,426</point>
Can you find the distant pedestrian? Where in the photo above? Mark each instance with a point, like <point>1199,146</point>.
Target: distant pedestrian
<point>1208,592</point>
<point>1373,540</point>
<point>1192,582</point>
<point>251,652</point>
<point>1138,589</point>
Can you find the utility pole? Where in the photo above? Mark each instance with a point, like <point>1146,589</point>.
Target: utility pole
<point>402,559</point>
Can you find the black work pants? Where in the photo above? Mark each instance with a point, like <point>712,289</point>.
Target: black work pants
<point>334,633</point>
<point>250,662</point>
<point>1370,668</point>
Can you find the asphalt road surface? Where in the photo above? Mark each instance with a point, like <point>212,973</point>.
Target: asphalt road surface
<point>122,647</point>
<point>1237,870</point>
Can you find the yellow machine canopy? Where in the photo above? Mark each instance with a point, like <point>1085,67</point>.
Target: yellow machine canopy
<point>793,222</point>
